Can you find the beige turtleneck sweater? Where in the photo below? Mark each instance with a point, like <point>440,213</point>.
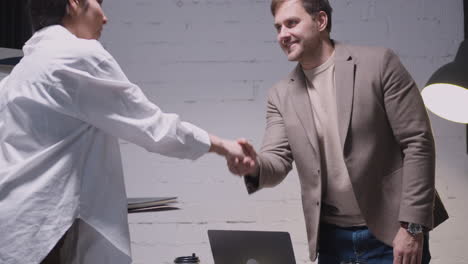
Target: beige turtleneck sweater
<point>339,204</point>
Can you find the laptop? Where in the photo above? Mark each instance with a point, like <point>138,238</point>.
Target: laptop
<point>251,247</point>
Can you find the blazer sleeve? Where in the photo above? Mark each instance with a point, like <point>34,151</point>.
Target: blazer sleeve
<point>275,157</point>
<point>411,127</point>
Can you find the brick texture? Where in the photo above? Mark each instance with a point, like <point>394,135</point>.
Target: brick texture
<point>212,62</point>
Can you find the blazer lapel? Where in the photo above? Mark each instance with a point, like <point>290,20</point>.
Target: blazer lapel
<point>344,82</point>
<point>303,106</point>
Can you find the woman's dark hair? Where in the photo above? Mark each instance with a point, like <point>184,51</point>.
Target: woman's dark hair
<point>46,12</point>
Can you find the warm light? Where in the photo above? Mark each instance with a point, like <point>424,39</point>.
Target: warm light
<point>447,101</point>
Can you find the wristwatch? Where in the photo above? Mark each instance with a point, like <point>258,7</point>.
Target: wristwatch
<point>412,228</point>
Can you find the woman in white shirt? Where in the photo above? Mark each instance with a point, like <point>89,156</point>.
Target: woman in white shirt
<point>62,110</point>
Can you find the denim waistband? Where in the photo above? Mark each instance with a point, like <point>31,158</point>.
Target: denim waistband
<point>350,228</point>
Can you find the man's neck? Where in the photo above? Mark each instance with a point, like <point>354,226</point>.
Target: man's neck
<point>323,53</point>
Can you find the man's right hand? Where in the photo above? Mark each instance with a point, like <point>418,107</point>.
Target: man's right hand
<point>407,249</point>
<point>246,166</point>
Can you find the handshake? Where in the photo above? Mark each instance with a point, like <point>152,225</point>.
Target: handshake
<point>240,155</point>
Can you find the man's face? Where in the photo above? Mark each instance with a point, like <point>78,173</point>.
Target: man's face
<point>88,19</point>
<point>298,33</point>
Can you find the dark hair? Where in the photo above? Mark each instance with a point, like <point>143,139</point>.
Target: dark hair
<point>46,13</point>
<point>311,6</point>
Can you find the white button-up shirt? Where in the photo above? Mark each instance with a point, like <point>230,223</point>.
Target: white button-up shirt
<point>62,110</point>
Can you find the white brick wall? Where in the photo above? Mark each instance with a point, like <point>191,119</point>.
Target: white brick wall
<point>212,62</point>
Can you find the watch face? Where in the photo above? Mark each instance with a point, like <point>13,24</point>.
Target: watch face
<point>415,228</point>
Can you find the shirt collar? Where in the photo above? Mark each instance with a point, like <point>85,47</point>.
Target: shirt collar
<point>55,32</point>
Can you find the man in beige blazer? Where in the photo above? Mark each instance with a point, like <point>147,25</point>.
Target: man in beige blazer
<point>353,121</point>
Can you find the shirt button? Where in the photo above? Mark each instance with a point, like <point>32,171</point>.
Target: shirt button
<point>318,203</point>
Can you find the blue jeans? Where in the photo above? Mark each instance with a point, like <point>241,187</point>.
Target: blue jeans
<point>356,245</point>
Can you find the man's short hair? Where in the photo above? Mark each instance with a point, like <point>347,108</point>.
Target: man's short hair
<point>311,6</point>
<point>46,13</point>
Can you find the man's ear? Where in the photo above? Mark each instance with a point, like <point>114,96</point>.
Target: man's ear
<point>322,20</point>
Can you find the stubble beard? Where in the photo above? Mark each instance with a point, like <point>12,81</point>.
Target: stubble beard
<point>295,53</point>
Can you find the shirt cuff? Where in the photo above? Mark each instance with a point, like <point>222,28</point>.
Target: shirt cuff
<point>201,143</point>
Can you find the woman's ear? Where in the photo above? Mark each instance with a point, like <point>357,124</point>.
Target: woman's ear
<point>73,7</point>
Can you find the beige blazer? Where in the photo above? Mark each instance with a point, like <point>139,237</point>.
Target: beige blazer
<point>385,134</point>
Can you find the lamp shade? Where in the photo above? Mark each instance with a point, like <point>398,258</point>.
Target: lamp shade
<point>446,92</point>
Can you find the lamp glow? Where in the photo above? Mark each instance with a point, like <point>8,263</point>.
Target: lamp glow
<point>448,101</point>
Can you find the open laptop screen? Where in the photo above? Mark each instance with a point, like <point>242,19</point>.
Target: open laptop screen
<point>251,247</point>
